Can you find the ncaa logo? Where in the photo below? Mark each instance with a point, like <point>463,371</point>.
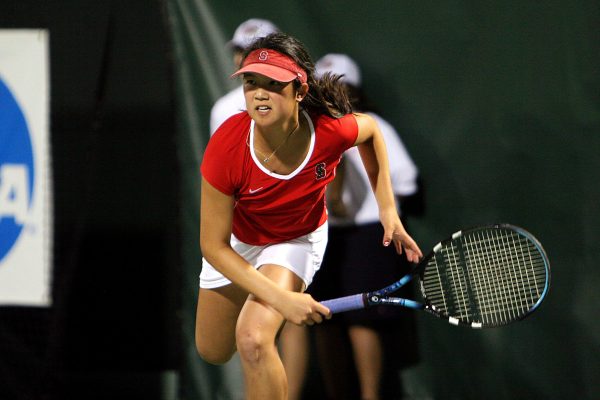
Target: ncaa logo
<point>16,170</point>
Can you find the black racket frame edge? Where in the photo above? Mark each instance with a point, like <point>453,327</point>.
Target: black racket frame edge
<point>419,270</point>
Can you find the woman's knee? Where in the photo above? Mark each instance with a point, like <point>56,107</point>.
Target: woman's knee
<point>253,345</point>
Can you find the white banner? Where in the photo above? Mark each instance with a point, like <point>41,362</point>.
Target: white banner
<point>25,185</point>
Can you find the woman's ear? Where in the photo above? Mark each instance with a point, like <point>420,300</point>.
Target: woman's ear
<point>301,92</point>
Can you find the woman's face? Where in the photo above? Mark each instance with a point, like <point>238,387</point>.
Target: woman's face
<point>268,101</point>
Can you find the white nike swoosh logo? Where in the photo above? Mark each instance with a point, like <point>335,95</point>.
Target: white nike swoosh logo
<point>252,191</point>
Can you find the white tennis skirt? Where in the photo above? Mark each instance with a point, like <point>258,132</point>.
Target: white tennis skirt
<point>302,256</point>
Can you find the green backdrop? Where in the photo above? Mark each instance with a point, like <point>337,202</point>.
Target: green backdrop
<point>499,105</point>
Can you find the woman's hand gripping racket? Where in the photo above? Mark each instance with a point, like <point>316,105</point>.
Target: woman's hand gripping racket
<point>482,277</point>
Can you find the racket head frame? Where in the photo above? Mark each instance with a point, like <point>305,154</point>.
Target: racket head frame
<point>431,307</point>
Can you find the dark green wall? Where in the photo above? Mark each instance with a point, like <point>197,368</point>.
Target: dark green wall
<point>498,103</point>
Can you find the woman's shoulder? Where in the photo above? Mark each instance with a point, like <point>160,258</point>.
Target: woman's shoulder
<point>330,123</point>
<point>224,151</point>
<point>343,129</point>
<point>232,129</point>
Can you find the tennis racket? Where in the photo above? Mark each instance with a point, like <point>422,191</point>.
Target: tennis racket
<point>482,277</point>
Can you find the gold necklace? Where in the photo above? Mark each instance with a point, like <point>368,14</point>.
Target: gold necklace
<point>266,160</point>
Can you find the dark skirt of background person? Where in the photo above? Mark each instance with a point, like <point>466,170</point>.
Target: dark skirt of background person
<point>356,261</point>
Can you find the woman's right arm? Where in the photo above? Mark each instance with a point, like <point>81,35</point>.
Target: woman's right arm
<point>216,216</point>
<point>373,153</point>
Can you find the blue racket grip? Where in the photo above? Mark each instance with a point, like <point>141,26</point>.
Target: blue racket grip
<point>348,303</point>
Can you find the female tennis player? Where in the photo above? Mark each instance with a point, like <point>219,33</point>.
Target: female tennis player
<point>263,225</point>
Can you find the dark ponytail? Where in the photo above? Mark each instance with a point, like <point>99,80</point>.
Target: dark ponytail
<point>325,95</point>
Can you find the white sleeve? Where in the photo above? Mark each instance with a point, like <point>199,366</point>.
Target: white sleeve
<point>217,115</point>
<point>228,105</point>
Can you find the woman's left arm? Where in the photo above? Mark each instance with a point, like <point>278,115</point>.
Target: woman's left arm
<point>373,153</point>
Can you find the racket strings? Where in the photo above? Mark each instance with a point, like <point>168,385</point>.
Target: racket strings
<point>489,277</point>
<point>505,277</point>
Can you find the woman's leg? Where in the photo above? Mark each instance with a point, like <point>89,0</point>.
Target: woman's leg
<point>257,328</point>
<point>368,358</point>
<point>216,317</point>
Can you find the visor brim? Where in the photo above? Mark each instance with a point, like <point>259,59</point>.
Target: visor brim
<point>271,71</point>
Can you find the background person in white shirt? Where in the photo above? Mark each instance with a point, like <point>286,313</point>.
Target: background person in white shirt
<point>352,266</point>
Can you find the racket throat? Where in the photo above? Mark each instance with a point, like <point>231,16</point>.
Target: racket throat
<point>375,300</point>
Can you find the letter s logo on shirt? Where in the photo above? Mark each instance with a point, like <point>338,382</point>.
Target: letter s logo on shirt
<point>320,171</point>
